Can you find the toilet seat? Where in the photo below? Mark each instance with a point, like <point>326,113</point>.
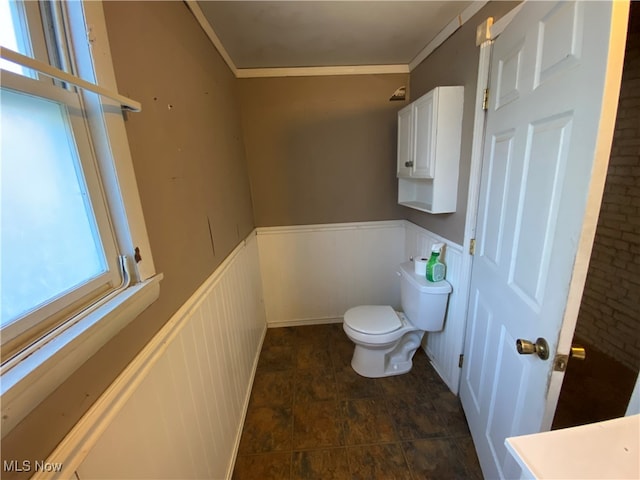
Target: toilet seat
<point>372,319</point>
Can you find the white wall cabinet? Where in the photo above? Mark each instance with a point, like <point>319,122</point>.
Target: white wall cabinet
<point>429,132</point>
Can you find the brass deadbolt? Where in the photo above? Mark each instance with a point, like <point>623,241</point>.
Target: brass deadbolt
<point>577,352</point>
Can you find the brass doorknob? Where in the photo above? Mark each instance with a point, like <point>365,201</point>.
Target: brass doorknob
<point>541,347</point>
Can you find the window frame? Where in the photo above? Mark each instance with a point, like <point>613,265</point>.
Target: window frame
<point>28,15</point>
<point>44,317</point>
<point>28,377</point>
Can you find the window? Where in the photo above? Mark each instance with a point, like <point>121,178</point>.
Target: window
<point>14,34</point>
<point>57,250</point>
<point>70,218</point>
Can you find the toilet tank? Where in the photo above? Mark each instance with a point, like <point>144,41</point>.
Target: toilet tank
<point>423,302</point>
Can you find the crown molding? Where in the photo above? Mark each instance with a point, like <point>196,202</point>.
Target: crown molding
<point>321,71</point>
<point>208,30</point>
<point>444,34</point>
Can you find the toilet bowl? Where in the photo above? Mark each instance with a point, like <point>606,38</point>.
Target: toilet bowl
<point>386,340</point>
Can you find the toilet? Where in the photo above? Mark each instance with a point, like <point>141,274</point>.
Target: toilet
<point>385,340</point>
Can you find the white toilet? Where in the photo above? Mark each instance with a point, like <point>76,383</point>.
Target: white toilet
<point>385,339</point>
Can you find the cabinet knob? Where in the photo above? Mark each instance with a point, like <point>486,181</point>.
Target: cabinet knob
<point>408,164</point>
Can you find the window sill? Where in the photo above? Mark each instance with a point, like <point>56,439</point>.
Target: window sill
<point>24,385</point>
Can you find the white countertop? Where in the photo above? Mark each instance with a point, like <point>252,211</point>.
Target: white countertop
<point>603,450</point>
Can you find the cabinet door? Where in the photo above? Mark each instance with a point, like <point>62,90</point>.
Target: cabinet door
<point>425,135</point>
<point>405,142</point>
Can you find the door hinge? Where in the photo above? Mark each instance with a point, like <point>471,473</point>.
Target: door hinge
<point>472,247</point>
<point>460,360</point>
<point>485,99</point>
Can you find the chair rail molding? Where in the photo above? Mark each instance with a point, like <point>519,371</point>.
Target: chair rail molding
<point>178,408</point>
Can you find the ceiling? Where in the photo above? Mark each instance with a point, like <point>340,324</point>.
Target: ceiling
<point>292,34</point>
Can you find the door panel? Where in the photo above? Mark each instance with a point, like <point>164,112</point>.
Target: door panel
<point>498,171</point>
<point>481,324</point>
<point>560,41</point>
<point>542,179</point>
<point>507,85</point>
<point>547,82</point>
<point>507,393</point>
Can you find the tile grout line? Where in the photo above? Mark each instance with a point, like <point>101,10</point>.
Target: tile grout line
<point>343,395</point>
<point>294,369</point>
<point>341,411</point>
<point>400,441</point>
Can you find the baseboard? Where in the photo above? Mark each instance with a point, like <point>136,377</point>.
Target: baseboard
<point>236,447</point>
<point>303,322</point>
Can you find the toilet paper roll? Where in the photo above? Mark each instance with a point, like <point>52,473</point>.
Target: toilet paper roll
<point>420,266</point>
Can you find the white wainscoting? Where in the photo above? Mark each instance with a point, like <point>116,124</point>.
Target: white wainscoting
<point>178,409</point>
<point>314,273</point>
<point>444,348</point>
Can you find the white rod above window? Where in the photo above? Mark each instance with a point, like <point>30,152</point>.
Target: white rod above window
<point>48,70</point>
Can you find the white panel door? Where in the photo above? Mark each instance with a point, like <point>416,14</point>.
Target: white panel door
<point>548,72</point>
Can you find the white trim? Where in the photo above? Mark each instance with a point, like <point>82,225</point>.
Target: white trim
<point>121,187</point>
<point>81,439</point>
<point>483,31</point>
<point>301,322</point>
<point>49,71</point>
<point>477,150</point>
<point>104,280</point>
<point>634,402</point>
<point>208,30</point>
<point>593,204</point>
<point>35,377</point>
<point>25,385</point>
<point>59,329</point>
<point>321,71</point>
<point>471,10</point>
<point>477,144</point>
<point>446,32</point>
<point>324,227</point>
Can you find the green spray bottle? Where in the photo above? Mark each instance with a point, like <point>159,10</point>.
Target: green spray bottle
<point>435,268</point>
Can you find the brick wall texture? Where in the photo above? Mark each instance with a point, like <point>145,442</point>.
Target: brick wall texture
<point>610,312</point>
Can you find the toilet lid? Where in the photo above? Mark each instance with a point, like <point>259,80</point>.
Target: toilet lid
<point>372,319</point>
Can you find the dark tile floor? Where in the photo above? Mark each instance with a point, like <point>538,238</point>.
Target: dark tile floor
<point>311,416</point>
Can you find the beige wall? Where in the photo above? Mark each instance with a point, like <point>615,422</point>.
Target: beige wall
<point>319,150</point>
<point>455,62</point>
<point>322,149</point>
<point>191,172</point>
